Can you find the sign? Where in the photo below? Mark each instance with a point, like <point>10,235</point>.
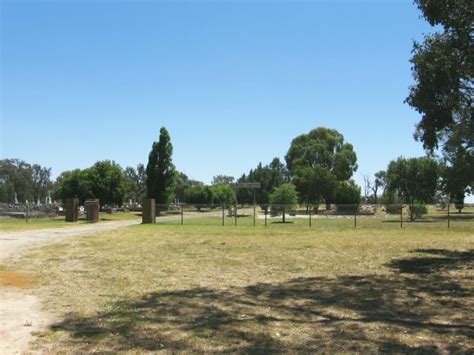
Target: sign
<point>247,185</point>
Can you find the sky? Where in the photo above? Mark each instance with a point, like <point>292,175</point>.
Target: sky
<point>233,81</point>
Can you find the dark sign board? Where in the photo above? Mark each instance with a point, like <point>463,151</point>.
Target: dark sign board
<point>247,185</point>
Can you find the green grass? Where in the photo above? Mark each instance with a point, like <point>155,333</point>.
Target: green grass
<point>17,224</point>
<point>287,288</point>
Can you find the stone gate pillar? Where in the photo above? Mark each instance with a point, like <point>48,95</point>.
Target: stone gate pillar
<point>72,209</point>
<point>148,211</point>
<point>92,210</point>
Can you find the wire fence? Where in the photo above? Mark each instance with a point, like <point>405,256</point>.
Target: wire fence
<point>386,216</point>
<point>29,210</point>
<point>286,216</point>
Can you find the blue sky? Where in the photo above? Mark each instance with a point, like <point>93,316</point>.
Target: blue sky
<point>234,81</point>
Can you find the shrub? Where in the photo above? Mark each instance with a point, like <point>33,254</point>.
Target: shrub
<point>393,208</point>
<point>283,199</point>
<point>417,210</point>
<point>347,197</point>
<point>459,206</point>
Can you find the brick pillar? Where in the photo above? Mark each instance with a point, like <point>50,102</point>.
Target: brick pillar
<point>148,211</point>
<point>92,210</point>
<point>72,209</point>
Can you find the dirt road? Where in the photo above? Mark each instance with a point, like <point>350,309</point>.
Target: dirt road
<point>21,313</point>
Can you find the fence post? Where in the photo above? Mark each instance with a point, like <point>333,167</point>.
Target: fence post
<point>355,217</point>
<point>266,212</point>
<point>27,212</point>
<point>401,215</point>
<point>182,215</point>
<point>254,215</point>
<point>448,214</point>
<point>235,215</point>
<point>310,213</point>
<point>223,215</point>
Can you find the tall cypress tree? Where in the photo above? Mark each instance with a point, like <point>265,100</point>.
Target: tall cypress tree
<point>160,170</point>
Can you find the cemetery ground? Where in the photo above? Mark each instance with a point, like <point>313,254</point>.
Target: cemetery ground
<point>18,224</point>
<point>207,288</point>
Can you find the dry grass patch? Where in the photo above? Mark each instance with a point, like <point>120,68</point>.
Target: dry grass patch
<point>10,224</point>
<point>213,289</point>
<point>14,279</point>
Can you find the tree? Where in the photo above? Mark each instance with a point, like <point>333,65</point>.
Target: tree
<point>347,197</point>
<point>415,180</point>
<point>107,182</point>
<point>283,198</point>
<point>73,184</point>
<point>443,68</point>
<point>325,151</point>
<point>223,179</point>
<point>160,171</point>
<point>104,180</point>
<point>269,177</point>
<point>367,187</point>
<point>457,176</point>
<point>198,196</point>
<point>41,180</point>
<point>223,194</point>
<point>30,182</point>
<point>315,185</point>
<point>136,183</point>
<point>379,182</point>
<point>182,183</point>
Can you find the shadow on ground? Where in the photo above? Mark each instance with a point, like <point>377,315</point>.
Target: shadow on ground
<point>418,308</point>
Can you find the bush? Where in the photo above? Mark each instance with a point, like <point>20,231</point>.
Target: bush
<point>393,209</point>
<point>417,210</point>
<point>347,197</point>
<point>459,206</point>
<point>283,199</point>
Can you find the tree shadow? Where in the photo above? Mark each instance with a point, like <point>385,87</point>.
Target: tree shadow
<point>373,313</point>
<point>442,260</point>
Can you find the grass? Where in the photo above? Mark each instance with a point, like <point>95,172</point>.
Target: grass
<point>293,289</point>
<point>17,224</point>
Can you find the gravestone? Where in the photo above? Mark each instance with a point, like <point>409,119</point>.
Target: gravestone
<point>148,211</point>
<point>72,209</point>
<point>92,210</point>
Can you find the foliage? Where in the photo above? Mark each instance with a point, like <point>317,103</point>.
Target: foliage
<point>269,177</point>
<point>443,68</point>
<point>29,182</point>
<point>136,183</point>
<point>223,194</point>
<point>315,184</point>
<point>459,205</point>
<point>73,184</point>
<point>105,181</point>
<point>415,180</point>
<point>324,151</point>
<point>223,179</point>
<point>417,210</point>
<point>198,195</point>
<point>160,171</point>
<point>283,198</point>
<point>347,197</point>
<point>325,148</point>
<point>182,183</point>
<point>457,174</point>
<point>41,180</point>
<point>391,202</point>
